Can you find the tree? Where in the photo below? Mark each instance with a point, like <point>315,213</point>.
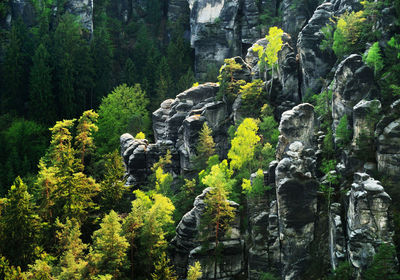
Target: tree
<point>374,58</point>
<point>20,226</point>
<point>85,129</point>
<point>41,99</point>
<point>253,97</point>
<point>113,185</point>
<point>40,270</point>
<point>108,253</point>
<point>384,264</point>
<point>243,145</point>
<point>194,272</point>
<point>123,110</point>
<point>343,133</point>
<point>72,263</point>
<point>163,270</point>
<point>205,147</point>
<point>146,227</point>
<point>15,69</point>
<point>218,214</point>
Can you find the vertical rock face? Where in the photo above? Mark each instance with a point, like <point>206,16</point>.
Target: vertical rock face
<point>388,143</point>
<point>298,124</point>
<point>187,248</point>
<point>215,33</point>
<point>83,9</point>
<point>365,117</point>
<point>315,64</point>
<point>352,82</point>
<point>337,241</point>
<point>367,220</point>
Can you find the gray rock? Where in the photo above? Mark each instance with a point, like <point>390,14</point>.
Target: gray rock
<point>187,246</point>
<point>296,192</point>
<point>368,223</point>
<point>315,64</point>
<point>337,241</point>
<point>83,9</point>
<point>353,81</point>
<point>298,124</point>
<point>215,33</point>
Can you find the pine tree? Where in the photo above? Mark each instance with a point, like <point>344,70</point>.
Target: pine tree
<point>205,147</point>
<point>163,270</point>
<point>194,272</point>
<point>374,58</point>
<point>20,226</point>
<point>146,227</point>
<point>14,70</point>
<point>113,185</point>
<point>343,133</point>
<point>41,104</point>
<point>218,214</point>
<point>85,129</point>
<point>108,254</point>
<point>72,264</point>
<point>384,265</point>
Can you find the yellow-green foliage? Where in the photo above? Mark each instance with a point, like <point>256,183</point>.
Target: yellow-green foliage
<point>194,272</point>
<point>205,147</point>
<point>374,58</point>
<point>252,97</point>
<point>256,188</point>
<point>243,145</point>
<point>229,86</point>
<point>140,135</point>
<point>348,33</point>
<point>269,55</point>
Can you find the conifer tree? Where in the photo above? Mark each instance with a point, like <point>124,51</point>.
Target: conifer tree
<point>108,254</point>
<point>163,270</point>
<point>205,147</point>
<point>113,185</point>
<point>219,214</point>
<point>85,129</point>
<point>72,264</point>
<point>194,272</point>
<point>41,99</point>
<point>19,225</point>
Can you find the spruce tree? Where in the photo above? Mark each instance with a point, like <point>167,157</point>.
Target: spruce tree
<point>163,270</point>
<point>205,147</point>
<point>20,226</point>
<point>41,99</point>
<point>108,253</point>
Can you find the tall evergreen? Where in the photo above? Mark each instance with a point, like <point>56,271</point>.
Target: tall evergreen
<point>19,225</point>
<point>41,99</point>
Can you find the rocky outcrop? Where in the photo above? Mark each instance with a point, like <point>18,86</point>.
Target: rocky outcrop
<point>337,241</point>
<point>315,64</point>
<point>83,9</point>
<point>388,143</point>
<point>353,81</point>
<point>298,124</point>
<point>139,157</point>
<point>187,246</point>
<point>368,223</point>
<point>296,192</point>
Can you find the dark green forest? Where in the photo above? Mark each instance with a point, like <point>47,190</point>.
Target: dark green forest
<point>67,94</point>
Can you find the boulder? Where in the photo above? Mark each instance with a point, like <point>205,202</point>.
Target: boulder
<point>368,223</point>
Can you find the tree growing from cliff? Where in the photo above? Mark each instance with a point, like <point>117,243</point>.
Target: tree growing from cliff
<point>219,214</point>
<point>194,272</point>
<point>343,133</point>
<point>374,58</point>
<point>269,54</point>
<point>205,147</point>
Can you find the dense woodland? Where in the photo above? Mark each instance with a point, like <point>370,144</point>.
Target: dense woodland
<point>67,95</point>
